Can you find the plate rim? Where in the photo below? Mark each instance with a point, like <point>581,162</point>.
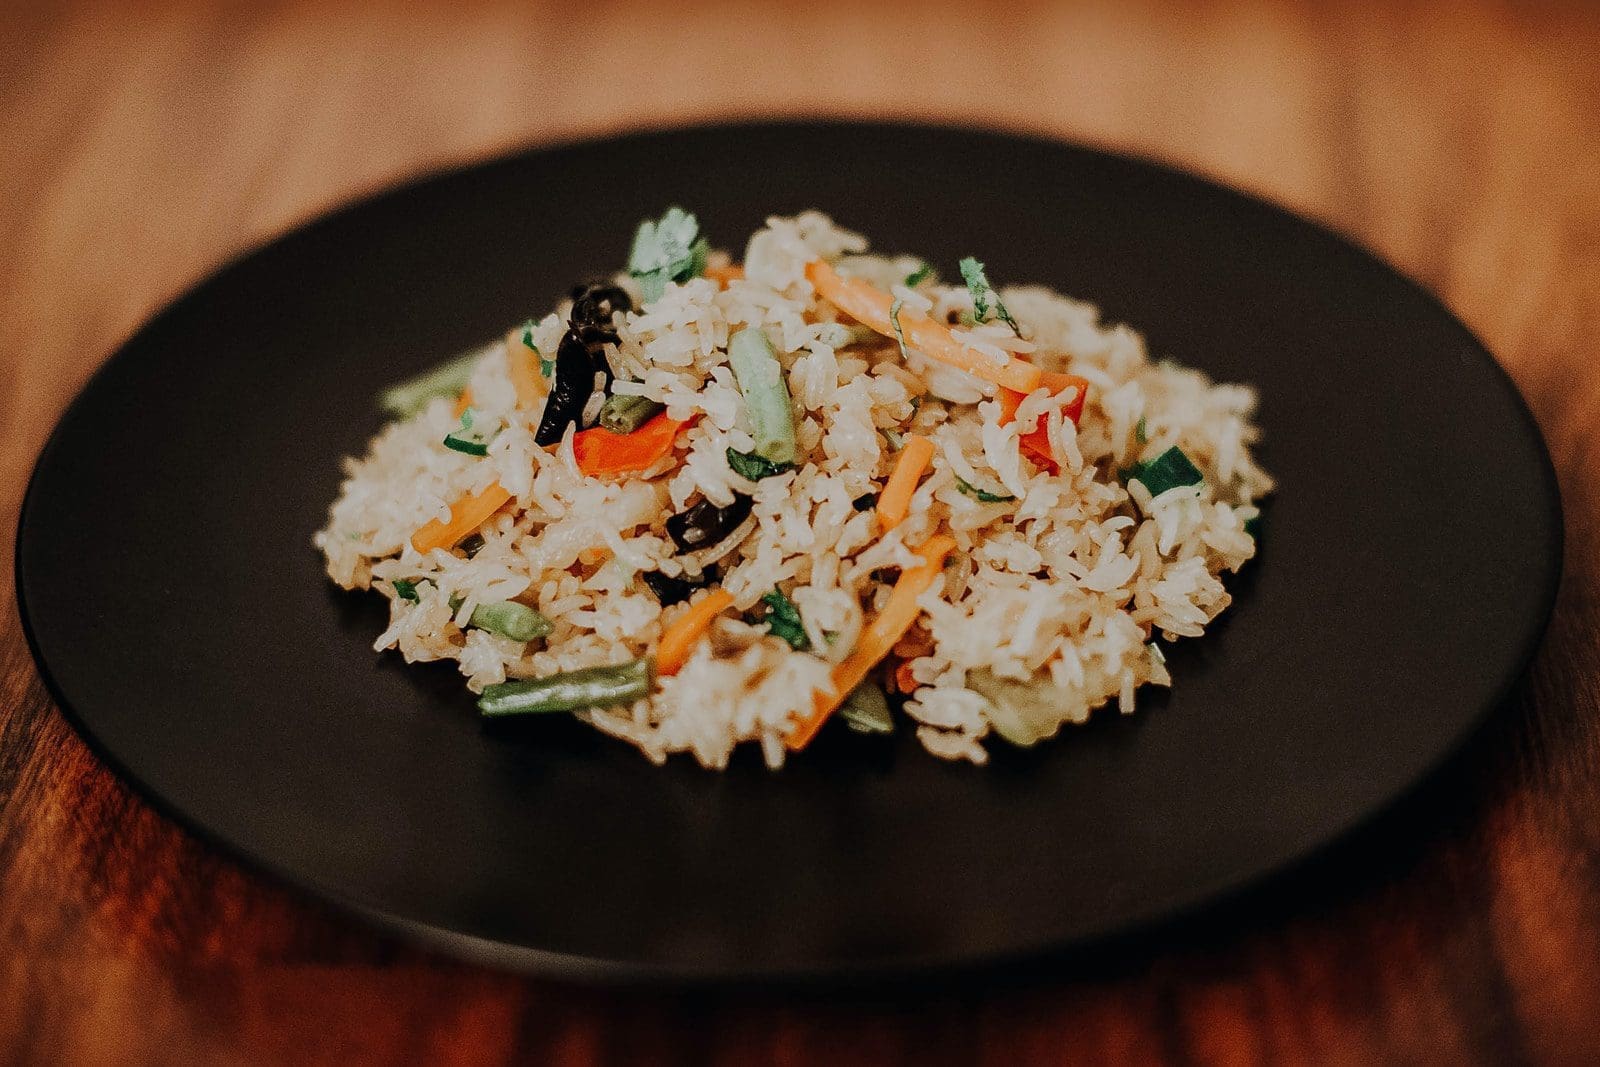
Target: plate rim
<point>1214,895</point>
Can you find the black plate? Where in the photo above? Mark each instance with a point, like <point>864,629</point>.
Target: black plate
<point>182,620</point>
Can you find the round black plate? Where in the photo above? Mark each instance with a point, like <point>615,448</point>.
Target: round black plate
<point>182,620</point>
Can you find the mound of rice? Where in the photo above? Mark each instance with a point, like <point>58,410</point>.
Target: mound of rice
<point>1062,587</point>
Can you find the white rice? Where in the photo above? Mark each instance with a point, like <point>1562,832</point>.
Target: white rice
<point>1064,586</point>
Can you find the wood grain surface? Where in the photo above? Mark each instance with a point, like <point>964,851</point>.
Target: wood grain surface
<point>145,143</point>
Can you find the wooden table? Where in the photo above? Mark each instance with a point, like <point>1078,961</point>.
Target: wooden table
<point>143,144</point>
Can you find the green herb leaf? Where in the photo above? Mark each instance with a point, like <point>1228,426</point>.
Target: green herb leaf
<point>1170,469</point>
<point>984,298</point>
<point>752,467</point>
<point>918,276</point>
<point>894,320</point>
<point>670,249</point>
<point>783,620</point>
<point>405,589</point>
<point>866,710</point>
<point>983,496</point>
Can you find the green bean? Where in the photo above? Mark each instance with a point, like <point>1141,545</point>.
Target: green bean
<point>625,414</point>
<point>866,710</point>
<point>510,619</point>
<point>447,379</point>
<point>592,687</point>
<point>766,396</point>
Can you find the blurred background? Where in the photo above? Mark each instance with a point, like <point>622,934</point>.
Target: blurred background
<point>146,142</point>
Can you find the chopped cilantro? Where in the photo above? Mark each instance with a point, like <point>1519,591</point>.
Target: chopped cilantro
<point>750,466</point>
<point>670,249</point>
<point>984,298</point>
<point>894,320</point>
<point>918,276</point>
<point>406,589</point>
<point>783,620</point>
<point>983,496</point>
<point>547,367</point>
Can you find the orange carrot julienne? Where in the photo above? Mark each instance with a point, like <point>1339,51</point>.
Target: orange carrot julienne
<point>877,639</point>
<point>723,275</point>
<point>466,515</point>
<point>463,402</point>
<point>599,451</point>
<point>871,306</point>
<point>895,500</point>
<point>679,638</point>
<point>522,363</point>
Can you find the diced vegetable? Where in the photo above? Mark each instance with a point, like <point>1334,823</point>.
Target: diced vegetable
<point>405,589</point>
<point>704,524</point>
<point>724,275</point>
<point>510,619</point>
<point>679,638</point>
<point>667,250</point>
<point>983,496</point>
<point>670,590</point>
<point>783,620</point>
<point>466,515</point>
<point>1021,712</point>
<point>1035,444</point>
<point>571,390</point>
<point>592,687</point>
<point>766,394</point>
<point>524,365</point>
<point>866,710</point>
<point>895,500</point>
<point>984,298</point>
<point>471,436</point>
<point>625,414</point>
<point>412,395</point>
<point>471,545</point>
<point>1167,471</point>
<point>903,678</point>
<point>599,451</point>
<point>752,467</point>
<point>877,638</point>
<point>867,304</point>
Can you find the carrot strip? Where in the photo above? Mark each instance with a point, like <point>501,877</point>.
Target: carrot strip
<point>463,402</point>
<point>723,275</point>
<point>895,500</point>
<point>466,515</point>
<point>678,639</point>
<point>599,451</point>
<point>1036,442</point>
<point>522,364</point>
<point>872,306</point>
<point>877,638</point>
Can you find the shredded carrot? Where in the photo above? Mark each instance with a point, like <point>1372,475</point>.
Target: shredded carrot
<point>466,515</point>
<point>723,275</point>
<point>678,639</point>
<point>463,402</point>
<point>903,680</point>
<point>522,363</point>
<point>1036,442</point>
<point>871,306</point>
<point>895,500</point>
<point>877,638</point>
<point>599,451</point>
